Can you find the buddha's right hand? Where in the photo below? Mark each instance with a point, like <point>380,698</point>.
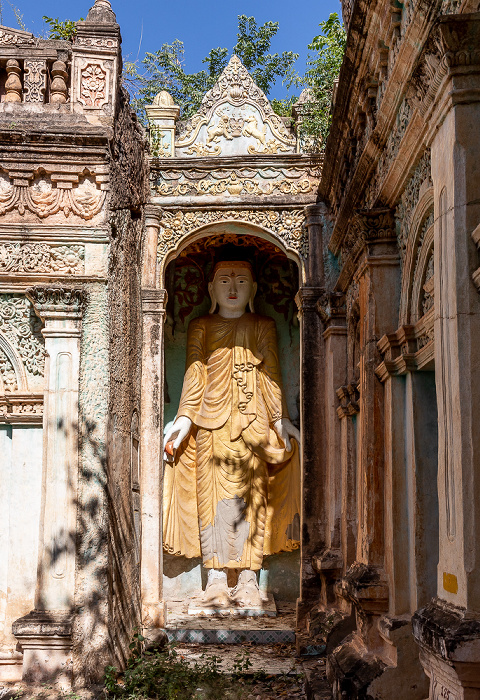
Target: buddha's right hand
<point>175,435</point>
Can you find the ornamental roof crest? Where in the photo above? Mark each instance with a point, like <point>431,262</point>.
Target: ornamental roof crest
<point>234,118</point>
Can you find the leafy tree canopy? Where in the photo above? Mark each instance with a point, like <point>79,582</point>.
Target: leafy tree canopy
<point>165,69</point>
<point>323,67</point>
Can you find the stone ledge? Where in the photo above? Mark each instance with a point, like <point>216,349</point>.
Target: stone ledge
<point>447,631</point>
<point>43,624</point>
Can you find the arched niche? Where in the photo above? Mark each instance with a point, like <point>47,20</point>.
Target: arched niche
<point>11,360</point>
<point>185,276</point>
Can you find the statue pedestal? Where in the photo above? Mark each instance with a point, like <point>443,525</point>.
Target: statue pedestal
<point>197,608</point>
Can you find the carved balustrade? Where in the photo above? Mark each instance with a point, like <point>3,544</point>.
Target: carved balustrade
<point>41,77</point>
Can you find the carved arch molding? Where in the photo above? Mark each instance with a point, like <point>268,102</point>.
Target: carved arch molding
<point>286,226</point>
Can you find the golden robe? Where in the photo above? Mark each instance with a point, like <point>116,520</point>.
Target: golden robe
<point>233,492</point>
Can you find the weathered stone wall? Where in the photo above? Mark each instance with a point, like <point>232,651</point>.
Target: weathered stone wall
<point>129,191</point>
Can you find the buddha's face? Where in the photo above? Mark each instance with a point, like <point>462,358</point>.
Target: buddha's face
<point>232,288</point>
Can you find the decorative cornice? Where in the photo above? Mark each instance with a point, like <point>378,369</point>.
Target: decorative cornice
<point>21,408</point>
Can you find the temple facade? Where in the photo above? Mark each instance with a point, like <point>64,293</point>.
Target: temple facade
<point>366,256</point>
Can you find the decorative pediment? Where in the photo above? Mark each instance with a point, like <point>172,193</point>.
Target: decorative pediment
<point>235,118</point>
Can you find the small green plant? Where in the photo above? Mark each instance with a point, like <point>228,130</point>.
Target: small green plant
<point>242,663</point>
<point>61,29</point>
<point>166,675</point>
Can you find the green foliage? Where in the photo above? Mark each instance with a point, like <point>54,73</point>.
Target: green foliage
<point>165,68</point>
<point>324,65</point>
<point>61,29</point>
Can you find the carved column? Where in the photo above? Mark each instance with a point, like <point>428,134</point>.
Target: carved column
<point>46,633</point>
<point>329,563</point>
<point>151,439</point>
<point>448,629</point>
<point>312,401</point>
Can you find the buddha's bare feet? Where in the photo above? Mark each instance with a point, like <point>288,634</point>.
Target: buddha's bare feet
<point>216,593</point>
<point>246,593</point>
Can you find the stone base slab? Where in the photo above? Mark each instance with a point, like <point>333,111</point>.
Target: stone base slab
<point>46,641</point>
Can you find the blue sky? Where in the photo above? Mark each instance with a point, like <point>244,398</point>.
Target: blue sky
<point>146,24</point>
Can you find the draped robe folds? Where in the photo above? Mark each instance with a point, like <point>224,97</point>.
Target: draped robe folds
<point>232,493</point>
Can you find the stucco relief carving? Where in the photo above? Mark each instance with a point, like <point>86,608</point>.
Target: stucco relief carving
<point>234,108</point>
<point>93,85</point>
<point>42,198</point>
<point>8,377</point>
<point>40,257</point>
<point>21,327</point>
<point>409,200</point>
<point>34,80</point>
<point>288,225</point>
<point>252,181</point>
<point>21,408</point>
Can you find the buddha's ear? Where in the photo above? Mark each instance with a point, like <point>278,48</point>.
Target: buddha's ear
<point>212,297</point>
<point>251,304</point>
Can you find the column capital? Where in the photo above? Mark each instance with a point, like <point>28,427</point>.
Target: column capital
<point>331,307</point>
<point>314,214</point>
<point>154,301</point>
<point>307,297</point>
<point>57,302</point>
<point>153,215</point>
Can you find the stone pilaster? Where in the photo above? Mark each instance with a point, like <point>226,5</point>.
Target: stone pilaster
<point>329,562</point>
<point>448,629</point>
<point>45,635</point>
<point>151,487</point>
<point>312,399</point>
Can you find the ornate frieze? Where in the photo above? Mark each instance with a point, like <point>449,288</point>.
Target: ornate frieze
<point>47,195</point>
<point>96,42</point>
<point>409,200</point>
<point>41,258</point>
<point>238,181</point>
<point>21,327</point>
<point>389,152</point>
<point>21,408</point>
<point>288,225</point>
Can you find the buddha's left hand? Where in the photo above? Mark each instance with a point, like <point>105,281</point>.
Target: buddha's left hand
<point>286,430</point>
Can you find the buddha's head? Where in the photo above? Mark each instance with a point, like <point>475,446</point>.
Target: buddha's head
<point>232,288</point>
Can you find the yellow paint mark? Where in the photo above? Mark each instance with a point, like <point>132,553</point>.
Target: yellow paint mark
<point>450,583</point>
